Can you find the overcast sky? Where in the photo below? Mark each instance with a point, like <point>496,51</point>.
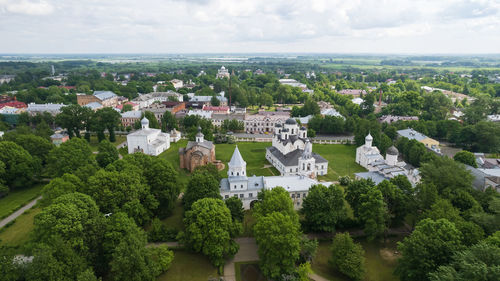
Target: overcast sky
<point>239,26</point>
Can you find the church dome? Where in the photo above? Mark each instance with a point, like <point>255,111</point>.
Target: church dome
<point>291,121</point>
<point>369,137</point>
<point>199,134</point>
<point>392,150</point>
<point>144,121</point>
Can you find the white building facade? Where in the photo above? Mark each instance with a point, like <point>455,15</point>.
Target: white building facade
<point>239,184</point>
<point>148,141</point>
<point>291,153</point>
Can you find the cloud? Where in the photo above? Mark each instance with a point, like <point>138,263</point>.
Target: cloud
<point>248,25</point>
<point>33,8</point>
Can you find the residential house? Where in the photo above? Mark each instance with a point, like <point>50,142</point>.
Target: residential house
<point>264,121</point>
<point>52,108</point>
<point>429,143</point>
<point>389,119</point>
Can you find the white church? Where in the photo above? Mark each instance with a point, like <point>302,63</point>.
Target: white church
<point>291,153</point>
<point>147,140</point>
<point>380,169</point>
<point>239,184</point>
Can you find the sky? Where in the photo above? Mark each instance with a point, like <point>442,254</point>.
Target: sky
<point>250,26</point>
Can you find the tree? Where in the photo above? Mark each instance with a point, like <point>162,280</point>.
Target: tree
<point>37,147</point>
<point>18,165</point>
<point>466,157</point>
<point>107,154</point>
<point>373,213</point>
<point>68,183</point>
<point>107,118</point>
<point>348,257</point>
<point>153,123</point>
<point>278,237</point>
<point>122,191</point>
<point>127,107</point>
<point>235,206</point>
<point>274,200</point>
<point>210,229</point>
<point>201,185</point>
<point>479,262</point>
<point>431,245</point>
<point>398,203</point>
<point>355,190</point>
<point>162,258</point>
<point>74,118</point>
<point>324,207</point>
<point>445,173</point>
<point>214,101</point>
<point>69,156</point>
<point>168,122</point>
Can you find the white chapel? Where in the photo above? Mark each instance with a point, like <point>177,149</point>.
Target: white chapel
<point>147,140</point>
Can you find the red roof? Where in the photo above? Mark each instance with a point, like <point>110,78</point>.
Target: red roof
<point>120,106</point>
<point>216,108</point>
<point>16,104</point>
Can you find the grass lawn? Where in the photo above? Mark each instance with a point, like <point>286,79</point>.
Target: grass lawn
<point>341,160</point>
<point>248,271</point>
<point>18,233</point>
<point>18,197</point>
<point>172,155</point>
<point>175,220</point>
<point>254,153</point>
<point>189,266</point>
<point>248,223</point>
<point>94,144</point>
<point>380,261</point>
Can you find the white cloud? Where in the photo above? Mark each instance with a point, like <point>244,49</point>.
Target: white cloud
<point>249,26</point>
<point>33,8</point>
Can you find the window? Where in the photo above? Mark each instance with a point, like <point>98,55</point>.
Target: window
<point>237,173</point>
<point>227,196</point>
<point>250,195</point>
<point>256,184</point>
<point>293,195</point>
<point>232,173</point>
<point>241,186</point>
<point>242,195</point>
<point>298,195</point>
<point>290,170</point>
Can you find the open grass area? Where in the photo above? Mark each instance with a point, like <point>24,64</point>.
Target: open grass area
<point>248,271</point>
<point>175,219</point>
<point>18,197</point>
<point>380,260</point>
<point>189,266</point>
<point>172,155</point>
<point>341,160</point>
<point>18,233</point>
<point>94,144</point>
<point>254,153</point>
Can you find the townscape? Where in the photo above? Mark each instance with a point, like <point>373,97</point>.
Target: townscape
<point>248,167</point>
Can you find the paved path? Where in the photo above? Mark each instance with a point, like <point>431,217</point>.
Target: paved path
<point>19,212</point>
<point>247,252</point>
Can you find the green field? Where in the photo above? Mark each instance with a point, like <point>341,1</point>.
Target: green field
<point>189,266</point>
<point>341,160</point>
<point>18,233</point>
<point>380,261</point>
<point>94,144</point>
<point>19,197</point>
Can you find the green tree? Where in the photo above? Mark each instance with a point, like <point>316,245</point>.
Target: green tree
<point>445,173</point>
<point>18,165</point>
<point>153,123</point>
<point>355,190</point>
<point>431,245</point>
<point>348,257</point>
<point>127,107</point>
<point>201,185</point>
<point>107,118</point>
<point>74,118</point>
<point>479,262</point>
<point>107,154</point>
<point>324,207</point>
<point>466,157</point>
<point>69,156</point>
<point>214,101</point>
<point>235,205</point>
<point>274,200</point>
<point>373,213</point>
<point>37,147</point>
<point>210,229</point>
<point>278,237</point>
<point>168,122</point>
<point>68,183</point>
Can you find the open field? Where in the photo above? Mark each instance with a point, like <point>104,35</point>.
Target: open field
<point>189,266</point>
<point>18,233</point>
<point>380,261</point>
<point>341,160</point>
<point>19,197</point>
<point>94,144</point>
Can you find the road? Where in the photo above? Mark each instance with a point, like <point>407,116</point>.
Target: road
<point>19,212</point>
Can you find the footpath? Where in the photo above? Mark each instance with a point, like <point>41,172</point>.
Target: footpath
<point>19,212</point>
